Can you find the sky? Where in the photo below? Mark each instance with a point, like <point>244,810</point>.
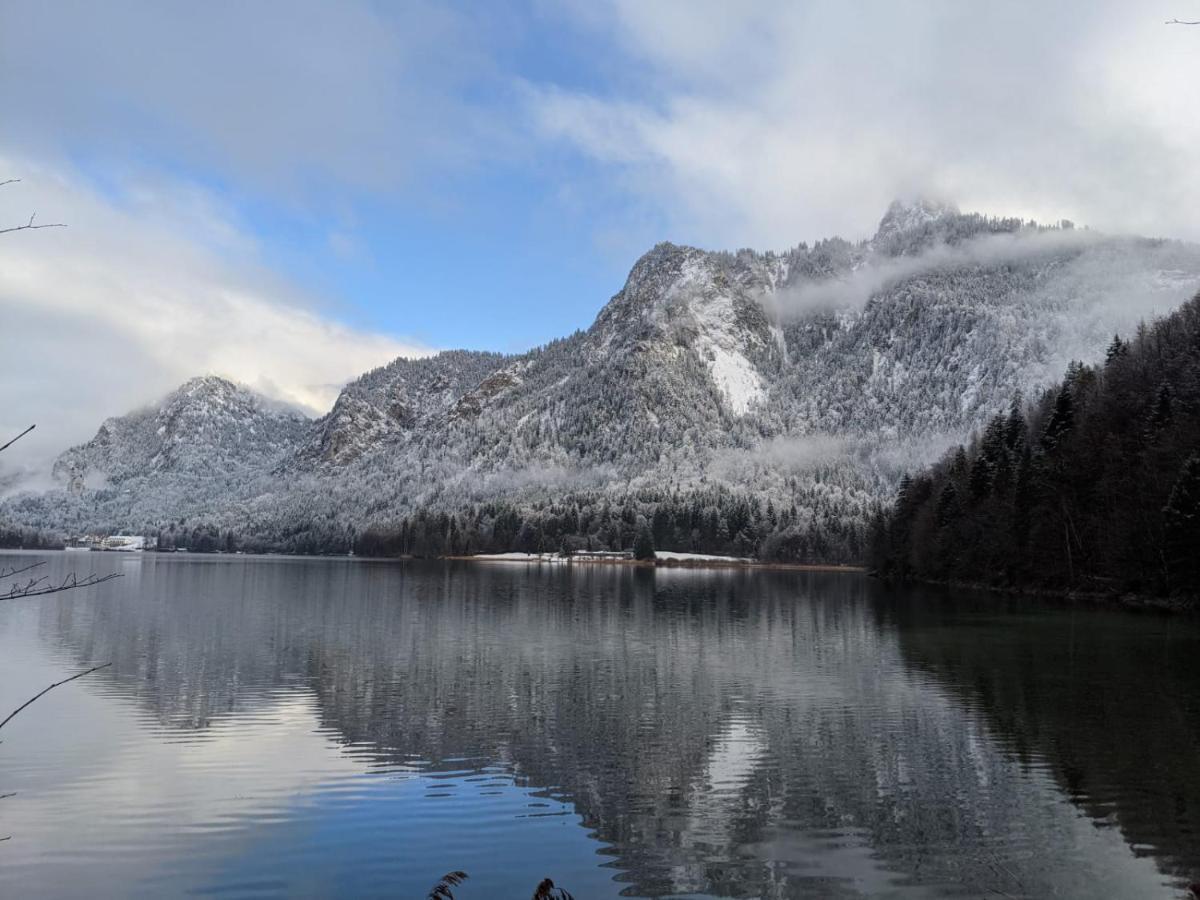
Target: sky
<point>291,193</point>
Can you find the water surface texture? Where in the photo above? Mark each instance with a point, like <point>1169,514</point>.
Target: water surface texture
<point>308,727</point>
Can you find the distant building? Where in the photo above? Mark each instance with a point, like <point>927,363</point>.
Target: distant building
<point>123,542</point>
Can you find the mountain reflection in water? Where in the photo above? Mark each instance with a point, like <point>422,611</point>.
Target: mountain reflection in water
<point>303,727</point>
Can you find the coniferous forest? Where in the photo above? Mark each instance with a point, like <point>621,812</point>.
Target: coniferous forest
<point>1093,488</point>
<point>717,521</point>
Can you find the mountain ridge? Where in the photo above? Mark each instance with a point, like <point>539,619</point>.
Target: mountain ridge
<point>707,371</point>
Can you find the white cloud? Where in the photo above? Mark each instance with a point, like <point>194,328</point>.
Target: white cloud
<point>774,122</point>
<point>300,98</point>
<point>141,291</point>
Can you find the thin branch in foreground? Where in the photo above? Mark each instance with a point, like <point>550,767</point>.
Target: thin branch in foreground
<point>37,587</point>
<point>29,226</point>
<point>1180,22</point>
<point>45,691</point>
<point>12,571</point>
<point>23,433</point>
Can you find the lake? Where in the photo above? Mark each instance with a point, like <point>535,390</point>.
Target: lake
<point>310,727</point>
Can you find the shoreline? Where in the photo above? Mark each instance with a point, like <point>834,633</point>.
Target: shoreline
<point>714,563</point>
<point>1129,601</point>
<point>699,562</point>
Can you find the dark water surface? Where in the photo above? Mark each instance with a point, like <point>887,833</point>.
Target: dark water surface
<point>289,727</point>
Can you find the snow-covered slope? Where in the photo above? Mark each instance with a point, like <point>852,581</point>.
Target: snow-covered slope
<point>810,377</point>
<point>392,400</point>
<point>207,426</point>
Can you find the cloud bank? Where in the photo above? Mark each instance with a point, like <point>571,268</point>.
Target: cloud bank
<point>772,122</point>
<point>852,290</point>
<point>295,98</point>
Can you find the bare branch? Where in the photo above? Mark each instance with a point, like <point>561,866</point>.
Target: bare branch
<point>45,691</point>
<point>29,226</point>
<point>38,587</point>
<point>18,437</point>
<point>12,570</point>
<point>1180,22</point>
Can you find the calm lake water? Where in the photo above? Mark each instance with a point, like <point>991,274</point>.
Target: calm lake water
<point>303,728</point>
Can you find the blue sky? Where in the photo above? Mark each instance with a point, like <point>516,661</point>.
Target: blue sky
<point>505,243</point>
<point>503,251</point>
<point>289,193</point>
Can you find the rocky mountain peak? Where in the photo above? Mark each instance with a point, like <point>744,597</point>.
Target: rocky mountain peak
<point>680,299</point>
<point>908,215</point>
<point>206,424</point>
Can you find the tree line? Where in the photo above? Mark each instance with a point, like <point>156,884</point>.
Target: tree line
<point>716,520</point>
<point>1094,487</point>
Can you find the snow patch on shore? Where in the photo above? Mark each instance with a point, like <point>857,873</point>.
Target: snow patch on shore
<point>520,557</point>
<point>699,557</point>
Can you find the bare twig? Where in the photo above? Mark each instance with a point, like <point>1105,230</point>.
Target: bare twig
<point>37,587</point>
<point>13,570</point>
<point>22,434</point>
<point>26,227</point>
<point>45,691</point>
<point>1180,22</point>
<point>29,226</point>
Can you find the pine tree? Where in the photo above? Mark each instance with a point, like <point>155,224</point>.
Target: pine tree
<point>643,545</point>
<point>1181,518</point>
<point>981,477</point>
<point>1062,419</point>
<point>1118,349</point>
<point>1161,414</point>
<point>947,505</point>
<point>1016,431</point>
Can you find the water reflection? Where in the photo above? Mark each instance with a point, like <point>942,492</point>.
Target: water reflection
<point>1108,702</point>
<point>308,725</point>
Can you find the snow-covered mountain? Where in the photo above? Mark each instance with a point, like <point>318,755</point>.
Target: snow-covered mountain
<point>206,427</point>
<point>808,378</point>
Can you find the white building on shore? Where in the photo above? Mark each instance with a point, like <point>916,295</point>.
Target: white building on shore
<point>126,543</point>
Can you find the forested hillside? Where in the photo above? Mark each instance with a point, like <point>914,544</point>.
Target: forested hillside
<point>749,403</point>
<point>1093,488</point>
